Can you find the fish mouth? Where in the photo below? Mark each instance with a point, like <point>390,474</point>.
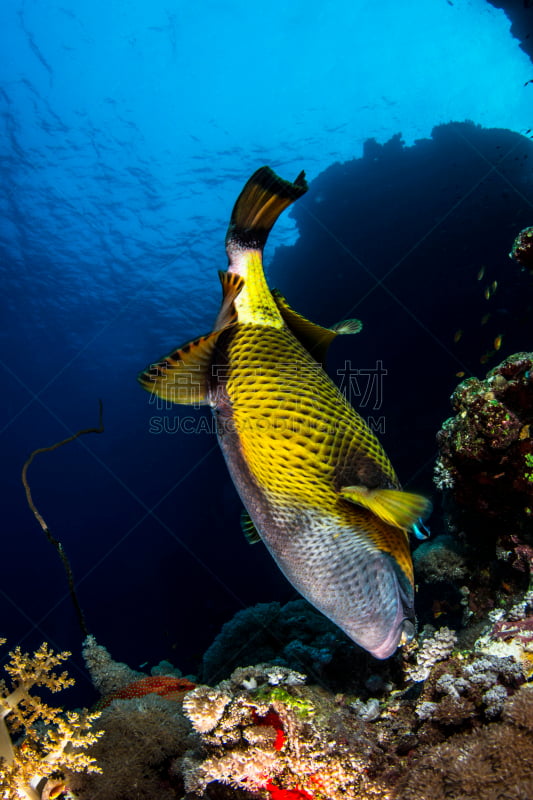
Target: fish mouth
<point>404,629</point>
<point>389,621</point>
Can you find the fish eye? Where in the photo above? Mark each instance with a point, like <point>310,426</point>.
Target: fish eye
<point>408,632</point>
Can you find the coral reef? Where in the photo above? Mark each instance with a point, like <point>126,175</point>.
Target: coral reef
<point>265,733</point>
<point>48,740</point>
<point>486,450</point>
<point>485,471</point>
<point>522,249</point>
<point>263,729</point>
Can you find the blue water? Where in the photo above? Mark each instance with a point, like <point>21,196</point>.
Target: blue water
<point>126,133</point>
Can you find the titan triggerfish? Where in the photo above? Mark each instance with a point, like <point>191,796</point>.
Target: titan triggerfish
<point>316,484</point>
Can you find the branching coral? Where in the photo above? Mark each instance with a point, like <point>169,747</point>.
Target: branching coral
<point>50,740</point>
<point>264,734</point>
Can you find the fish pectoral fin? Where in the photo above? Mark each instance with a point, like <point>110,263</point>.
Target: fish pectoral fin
<point>315,338</point>
<point>183,376</point>
<point>248,528</point>
<point>347,327</point>
<point>397,508</point>
<point>232,285</point>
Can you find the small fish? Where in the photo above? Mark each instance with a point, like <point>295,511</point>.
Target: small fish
<point>167,686</point>
<point>317,486</point>
<point>485,318</point>
<point>487,293</point>
<point>481,273</point>
<point>460,374</point>
<point>493,286</point>
<point>56,789</point>
<point>457,336</point>
<point>498,341</point>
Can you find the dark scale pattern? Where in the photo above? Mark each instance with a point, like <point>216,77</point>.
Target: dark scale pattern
<point>292,421</point>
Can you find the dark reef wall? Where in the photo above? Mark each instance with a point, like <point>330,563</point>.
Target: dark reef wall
<point>520,12</point>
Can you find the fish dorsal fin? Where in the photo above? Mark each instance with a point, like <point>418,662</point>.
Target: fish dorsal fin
<point>264,197</point>
<point>183,376</point>
<point>315,338</point>
<point>395,507</point>
<point>248,528</point>
<point>232,285</point>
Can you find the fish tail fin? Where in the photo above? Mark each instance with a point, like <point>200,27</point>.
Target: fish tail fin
<point>258,206</point>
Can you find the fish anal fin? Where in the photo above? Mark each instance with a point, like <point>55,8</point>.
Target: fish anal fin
<point>315,338</point>
<point>232,285</point>
<point>248,528</point>
<point>183,376</point>
<point>394,506</point>
<point>264,197</point>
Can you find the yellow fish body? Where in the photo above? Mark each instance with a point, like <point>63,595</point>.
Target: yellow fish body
<point>317,485</point>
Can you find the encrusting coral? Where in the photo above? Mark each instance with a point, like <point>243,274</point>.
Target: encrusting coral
<point>49,740</point>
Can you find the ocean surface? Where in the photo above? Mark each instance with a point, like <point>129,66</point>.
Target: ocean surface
<point>127,130</point>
